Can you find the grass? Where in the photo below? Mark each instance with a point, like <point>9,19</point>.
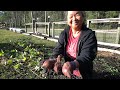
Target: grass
<point>8,36</point>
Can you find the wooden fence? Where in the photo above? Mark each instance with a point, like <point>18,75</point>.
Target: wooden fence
<point>105,20</point>
<point>49,27</point>
<point>108,36</point>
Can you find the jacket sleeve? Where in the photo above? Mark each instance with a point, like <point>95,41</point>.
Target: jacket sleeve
<point>59,49</point>
<point>89,49</point>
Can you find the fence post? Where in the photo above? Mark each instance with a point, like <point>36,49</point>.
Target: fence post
<point>35,27</point>
<point>49,29</point>
<point>53,29</point>
<point>26,28</point>
<point>118,32</point>
<point>45,22</point>
<point>88,23</point>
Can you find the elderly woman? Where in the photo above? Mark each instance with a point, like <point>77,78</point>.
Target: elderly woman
<point>78,45</point>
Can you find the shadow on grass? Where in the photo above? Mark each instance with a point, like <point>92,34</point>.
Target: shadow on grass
<point>7,46</point>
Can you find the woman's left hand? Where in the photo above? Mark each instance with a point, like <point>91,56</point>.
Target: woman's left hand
<point>67,69</point>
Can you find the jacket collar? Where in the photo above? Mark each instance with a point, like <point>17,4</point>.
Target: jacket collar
<point>83,30</point>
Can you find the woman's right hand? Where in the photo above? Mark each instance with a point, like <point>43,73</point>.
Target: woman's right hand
<point>58,67</point>
<point>49,64</point>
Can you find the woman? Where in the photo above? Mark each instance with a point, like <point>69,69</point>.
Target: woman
<point>78,45</point>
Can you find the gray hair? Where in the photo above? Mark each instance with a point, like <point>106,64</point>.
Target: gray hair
<point>81,12</point>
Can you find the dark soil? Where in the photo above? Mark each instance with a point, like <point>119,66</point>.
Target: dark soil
<point>106,66</point>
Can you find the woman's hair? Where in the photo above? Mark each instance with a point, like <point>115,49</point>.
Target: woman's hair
<point>84,16</point>
<point>81,12</point>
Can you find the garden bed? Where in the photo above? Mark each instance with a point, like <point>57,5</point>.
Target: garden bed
<point>107,65</point>
<point>20,58</point>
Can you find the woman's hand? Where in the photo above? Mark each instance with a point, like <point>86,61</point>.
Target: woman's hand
<point>58,67</point>
<point>49,64</point>
<point>67,69</point>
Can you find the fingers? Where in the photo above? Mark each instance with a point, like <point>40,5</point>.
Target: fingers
<point>58,67</point>
<point>45,64</point>
<point>66,69</point>
<point>59,58</point>
<point>49,64</point>
<point>66,72</point>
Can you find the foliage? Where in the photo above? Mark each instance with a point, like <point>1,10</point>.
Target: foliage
<point>20,55</point>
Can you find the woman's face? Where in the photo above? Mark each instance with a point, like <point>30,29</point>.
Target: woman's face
<point>75,19</point>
